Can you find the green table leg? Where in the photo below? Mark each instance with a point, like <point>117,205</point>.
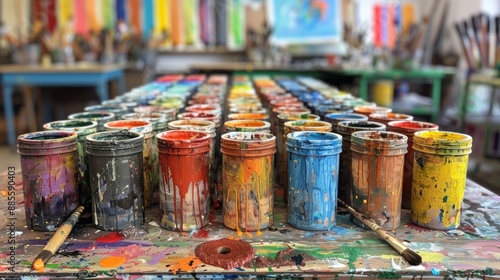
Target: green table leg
<point>436,99</point>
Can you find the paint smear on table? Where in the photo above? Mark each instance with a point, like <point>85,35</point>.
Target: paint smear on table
<point>114,261</point>
<point>186,264</point>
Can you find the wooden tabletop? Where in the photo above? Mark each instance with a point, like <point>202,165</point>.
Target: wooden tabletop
<point>471,251</point>
<point>61,68</point>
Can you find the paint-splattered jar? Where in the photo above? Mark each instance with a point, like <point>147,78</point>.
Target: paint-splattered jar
<point>377,173</point>
<point>248,116</point>
<point>247,126</point>
<point>368,110</point>
<point>439,177</point>
<point>313,168</point>
<point>345,129</point>
<point>208,127</point>
<point>247,172</point>
<point>409,128</point>
<point>100,117</point>
<point>281,145</point>
<point>292,126</point>
<point>118,110</point>
<point>205,108</point>
<point>49,170</point>
<point>148,154</point>
<point>144,111</point>
<point>116,178</point>
<point>82,128</point>
<point>385,118</point>
<point>336,118</point>
<point>184,189</point>
<point>128,105</point>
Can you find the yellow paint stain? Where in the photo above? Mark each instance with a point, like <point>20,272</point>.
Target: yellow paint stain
<point>259,233</point>
<point>431,257</point>
<point>114,261</point>
<point>186,264</point>
<point>364,201</point>
<point>248,234</point>
<point>388,257</point>
<point>230,237</point>
<point>4,193</point>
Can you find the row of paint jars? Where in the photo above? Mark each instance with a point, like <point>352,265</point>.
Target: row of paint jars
<point>357,176</point>
<point>59,177</point>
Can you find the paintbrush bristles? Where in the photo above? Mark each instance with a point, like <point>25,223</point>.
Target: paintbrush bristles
<point>41,260</point>
<point>411,257</point>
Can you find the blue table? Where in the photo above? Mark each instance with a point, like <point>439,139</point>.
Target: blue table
<point>96,76</point>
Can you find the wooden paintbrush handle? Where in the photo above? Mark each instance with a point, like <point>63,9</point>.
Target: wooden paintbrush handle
<point>63,231</point>
<point>393,241</point>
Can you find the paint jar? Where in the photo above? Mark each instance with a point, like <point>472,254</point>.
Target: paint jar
<point>334,108</point>
<point>281,145</point>
<point>184,189</point>
<point>100,117</point>
<point>335,118</point>
<point>439,176</point>
<point>313,165</point>
<point>345,129</point>
<point>409,128</point>
<point>368,110</point>
<point>148,163</point>
<point>377,173</point>
<point>385,118</point>
<point>205,108</point>
<point>208,127</point>
<point>49,170</point>
<point>292,126</point>
<point>129,106</point>
<point>248,116</point>
<point>144,111</point>
<point>116,178</point>
<point>82,128</point>
<point>247,172</point>
<point>247,126</point>
<point>118,110</point>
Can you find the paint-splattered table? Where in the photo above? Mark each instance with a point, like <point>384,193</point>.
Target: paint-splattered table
<point>283,251</point>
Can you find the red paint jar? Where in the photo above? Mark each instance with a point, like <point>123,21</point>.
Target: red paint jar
<point>409,128</point>
<point>385,118</point>
<point>184,189</point>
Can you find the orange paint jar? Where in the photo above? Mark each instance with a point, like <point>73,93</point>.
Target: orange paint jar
<point>247,172</point>
<point>377,172</point>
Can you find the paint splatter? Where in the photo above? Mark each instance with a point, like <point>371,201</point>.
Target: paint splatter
<point>157,257</point>
<point>130,252</point>
<point>186,264</point>
<point>286,257</point>
<point>435,271</point>
<point>114,261</point>
<point>201,233</point>
<point>353,254</point>
<point>432,257</point>
<point>110,237</point>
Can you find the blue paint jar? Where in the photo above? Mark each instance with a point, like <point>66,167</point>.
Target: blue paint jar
<point>313,168</point>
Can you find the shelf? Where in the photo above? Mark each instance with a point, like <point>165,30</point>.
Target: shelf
<point>201,51</point>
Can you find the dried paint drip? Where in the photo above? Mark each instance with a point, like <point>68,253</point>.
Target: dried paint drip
<point>184,189</point>
<point>439,175</point>
<point>116,177</point>
<point>208,127</point>
<point>225,253</point>
<point>313,167</point>
<point>345,129</point>
<point>49,170</point>
<point>409,128</point>
<point>247,168</point>
<point>377,171</point>
<point>82,128</point>
<point>185,264</point>
<point>114,261</point>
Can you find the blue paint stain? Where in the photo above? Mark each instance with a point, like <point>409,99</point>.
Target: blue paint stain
<point>441,212</point>
<point>313,161</point>
<point>435,271</point>
<point>309,234</point>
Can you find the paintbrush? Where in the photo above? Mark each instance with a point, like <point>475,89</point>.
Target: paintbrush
<point>57,240</point>
<point>408,254</point>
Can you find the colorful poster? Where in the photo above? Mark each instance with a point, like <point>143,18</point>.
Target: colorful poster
<point>304,21</point>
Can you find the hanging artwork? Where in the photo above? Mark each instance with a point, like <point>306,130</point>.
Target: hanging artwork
<point>304,21</point>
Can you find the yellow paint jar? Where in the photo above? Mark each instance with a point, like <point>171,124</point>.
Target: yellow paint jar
<point>439,173</point>
<point>383,92</point>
